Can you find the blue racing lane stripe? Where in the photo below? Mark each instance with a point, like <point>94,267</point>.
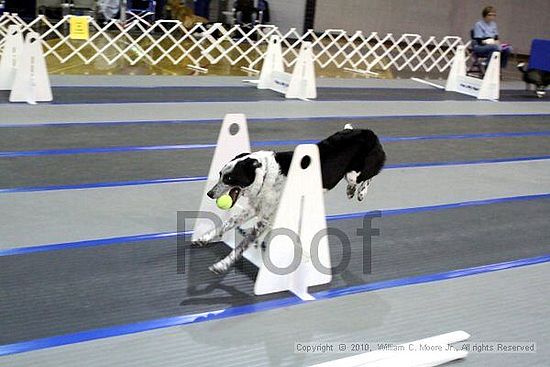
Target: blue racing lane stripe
<point>92,243</point>
<point>103,184</point>
<point>169,180</point>
<point>384,139</point>
<point>270,119</point>
<point>119,330</point>
<point>329,218</point>
<point>419,209</point>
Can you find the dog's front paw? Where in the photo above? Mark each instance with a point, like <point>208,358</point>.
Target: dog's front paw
<point>218,268</point>
<point>205,238</point>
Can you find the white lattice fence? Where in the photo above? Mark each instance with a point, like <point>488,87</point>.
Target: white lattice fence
<point>168,41</point>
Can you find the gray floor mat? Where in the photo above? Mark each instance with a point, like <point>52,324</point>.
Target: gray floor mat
<point>149,165</point>
<point>91,95</point>
<point>173,133</point>
<point>59,292</point>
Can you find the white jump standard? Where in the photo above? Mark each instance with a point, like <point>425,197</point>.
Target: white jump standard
<point>300,84</point>
<point>487,88</point>
<point>23,68</point>
<point>13,46</point>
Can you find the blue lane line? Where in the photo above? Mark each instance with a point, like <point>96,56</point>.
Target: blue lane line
<point>463,204</point>
<point>102,184</point>
<point>384,139</point>
<point>203,178</point>
<point>114,331</point>
<point>92,243</point>
<point>329,218</point>
<point>270,119</point>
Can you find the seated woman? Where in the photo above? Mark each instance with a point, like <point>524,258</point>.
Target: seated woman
<point>486,37</point>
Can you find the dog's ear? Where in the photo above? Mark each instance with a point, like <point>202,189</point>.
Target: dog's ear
<point>244,171</point>
<point>250,164</point>
<point>240,156</point>
<point>256,163</point>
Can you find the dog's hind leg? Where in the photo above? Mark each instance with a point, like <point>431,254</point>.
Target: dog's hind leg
<point>374,162</point>
<point>363,189</point>
<point>236,254</point>
<point>351,178</point>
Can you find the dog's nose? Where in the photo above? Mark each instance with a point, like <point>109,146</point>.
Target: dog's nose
<point>210,194</point>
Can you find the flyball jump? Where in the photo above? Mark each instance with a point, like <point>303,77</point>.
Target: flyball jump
<point>299,84</point>
<point>301,210</point>
<point>487,88</point>
<point>23,68</point>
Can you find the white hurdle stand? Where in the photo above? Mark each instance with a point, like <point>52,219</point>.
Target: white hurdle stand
<point>487,88</point>
<point>300,84</point>
<point>10,56</point>
<point>31,83</point>
<point>301,210</point>
<point>233,140</point>
<point>408,354</point>
<point>301,214</point>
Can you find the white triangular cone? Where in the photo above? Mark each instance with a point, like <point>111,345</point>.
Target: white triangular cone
<point>13,46</point>
<point>230,144</point>
<point>32,83</point>
<point>490,87</point>
<point>302,83</point>
<point>302,211</point>
<point>458,69</point>
<point>273,61</point>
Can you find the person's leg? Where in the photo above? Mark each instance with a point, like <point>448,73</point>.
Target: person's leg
<point>504,55</point>
<point>485,50</point>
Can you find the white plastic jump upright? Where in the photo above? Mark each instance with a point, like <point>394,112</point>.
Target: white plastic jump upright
<point>13,46</point>
<point>301,214</point>
<point>233,139</point>
<point>486,88</point>
<point>300,84</point>
<point>31,83</point>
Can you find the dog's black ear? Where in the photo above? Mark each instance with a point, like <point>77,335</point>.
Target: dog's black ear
<point>244,171</point>
<point>250,164</point>
<point>256,163</point>
<point>240,156</point>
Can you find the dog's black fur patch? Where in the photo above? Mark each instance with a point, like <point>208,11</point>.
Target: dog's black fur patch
<point>348,150</point>
<point>243,173</point>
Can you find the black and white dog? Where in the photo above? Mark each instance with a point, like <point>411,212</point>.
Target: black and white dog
<point>539,78</point>
<point>353,154</point>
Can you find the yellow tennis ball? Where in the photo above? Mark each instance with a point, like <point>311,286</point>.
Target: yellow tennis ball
<point>224,202</point>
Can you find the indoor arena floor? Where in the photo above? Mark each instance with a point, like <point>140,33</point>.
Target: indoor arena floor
<point>91,184</point>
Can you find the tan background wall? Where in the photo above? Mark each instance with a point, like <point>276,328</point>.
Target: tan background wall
<point>519,21</point>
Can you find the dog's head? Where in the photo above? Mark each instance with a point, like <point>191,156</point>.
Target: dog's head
<point>242,176</point>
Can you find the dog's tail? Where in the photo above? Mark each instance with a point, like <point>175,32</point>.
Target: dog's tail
<point>348,127</point>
